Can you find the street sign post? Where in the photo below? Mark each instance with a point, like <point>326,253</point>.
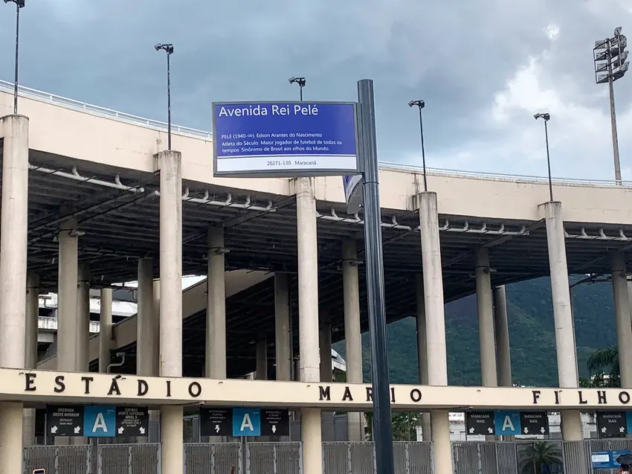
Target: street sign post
<point>284,139</point>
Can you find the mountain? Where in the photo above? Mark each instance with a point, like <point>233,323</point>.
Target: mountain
<point>531,333</point>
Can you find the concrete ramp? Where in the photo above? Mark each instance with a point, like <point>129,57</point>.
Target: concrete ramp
<point>193,301</point>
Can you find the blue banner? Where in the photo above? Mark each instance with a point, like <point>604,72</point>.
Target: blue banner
<point>284,138</point>
<point>246,422</point>
<point>507,423</point>
<point>99,421</point>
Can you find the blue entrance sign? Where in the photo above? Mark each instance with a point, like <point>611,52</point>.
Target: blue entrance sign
<point>246,422</point>
<point>507,423</point>
<point>99,421</point>
<point>284,139</point>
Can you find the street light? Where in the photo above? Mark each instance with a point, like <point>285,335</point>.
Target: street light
<point>301,81</point>
<point>611,64</point>
<point>167,48</point>
<point>19,4</point>
<point>421,104</point>
<point>546,117</point>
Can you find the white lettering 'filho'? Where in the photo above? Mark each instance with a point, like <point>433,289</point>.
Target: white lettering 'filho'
<point>246,423</point>
<point>99,423</point>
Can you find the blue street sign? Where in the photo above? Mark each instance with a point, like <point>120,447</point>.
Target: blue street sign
<point>246,422</point>
<point>284,139</point>
<point>507,423</point>
<point>99,421</point>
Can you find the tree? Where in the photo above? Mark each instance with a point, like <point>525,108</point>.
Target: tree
<point>403,425</point>
<point>535,455</point>
<point>603,365</point>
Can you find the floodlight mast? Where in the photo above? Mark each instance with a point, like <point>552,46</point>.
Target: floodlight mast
<point>167,48</point>
<point>421,104</point>
<point>301,81</point>
<point>546,117</point>
<point>19,4</point>
<point>610,57</point>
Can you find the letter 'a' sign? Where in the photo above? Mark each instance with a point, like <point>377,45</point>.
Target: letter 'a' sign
<point>284,139</point>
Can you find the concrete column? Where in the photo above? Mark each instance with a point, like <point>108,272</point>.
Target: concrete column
<point>13,235</point>
<point>353,330</point>
<point>105,330</point>
<point>30,355</point>
<point>171,417</point>
<point>282,331</point>
<point>435,324</point>
<point>67,322</point>
<point>324,342</point>
<point>485,307</point>
<point>422,353</point>
<point>622,315</point>
<point>564,332</point>
<point>216,306</point>
<point>145,319</point>
<point>262,359</point>
<point>308,320</point>
<point>83,318</point>
<point>171,437</point>
<point>156,306</point>
<point>501,329</point>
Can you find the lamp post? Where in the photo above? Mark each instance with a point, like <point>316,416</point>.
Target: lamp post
<point>19,4</point>
<point>421,104</point>
<point>610,57</point>
<point>301,81</point>
<point>167,48</point>
<point>546,117</point>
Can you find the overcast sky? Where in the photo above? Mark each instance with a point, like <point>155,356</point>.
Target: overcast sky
<point>484,67</point>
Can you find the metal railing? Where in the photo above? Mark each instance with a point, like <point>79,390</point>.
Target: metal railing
<point>102,111</point>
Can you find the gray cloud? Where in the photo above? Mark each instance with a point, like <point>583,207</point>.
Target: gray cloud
<point>483,68</point>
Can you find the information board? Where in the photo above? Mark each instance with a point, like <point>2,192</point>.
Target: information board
<point>479,422</point>
<point>64,420</point>
<point>284,139</point>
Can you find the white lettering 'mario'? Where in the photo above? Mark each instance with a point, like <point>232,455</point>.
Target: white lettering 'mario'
<point>274,109</point>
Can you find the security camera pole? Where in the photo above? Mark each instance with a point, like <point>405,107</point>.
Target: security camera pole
<point>19,4</point>
<point>546,117</point>
<point>611,64</point>
<point>167,48</point>
<point>421,104</point>
<point>301,81</point>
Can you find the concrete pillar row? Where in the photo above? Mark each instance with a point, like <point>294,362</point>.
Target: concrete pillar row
<point>30,353</point>
<point>422,352</point>
<point>216,306</point>
<point>83,318</point>
<point>105,329</point>
<point>283,347</point>
<point>435,325</point>
<point>353,330</point>
<point>501,329</point>
<point>564,329</point>
<point>13,237</point>
<point>324,343</point>
<point>67,316</point>
<point>145,320</point>
<point>262,359</point>
<point>622,316</point>
<point>171,417</point>
<point>311,431</point>
<point>485,307</point>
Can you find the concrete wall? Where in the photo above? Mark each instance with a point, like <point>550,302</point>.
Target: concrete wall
<point>107,141</point>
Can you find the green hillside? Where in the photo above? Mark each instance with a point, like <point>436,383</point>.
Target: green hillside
<point>531,332</point>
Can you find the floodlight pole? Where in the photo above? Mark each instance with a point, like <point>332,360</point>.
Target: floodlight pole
<point>167,48</point>
<point>19,4</point>
<point>613,122</point>
<point>421,104</point>
<point>382,428</point>
<point>546,117</point>
<point>301,81</point>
